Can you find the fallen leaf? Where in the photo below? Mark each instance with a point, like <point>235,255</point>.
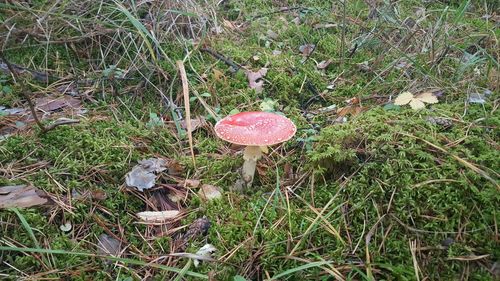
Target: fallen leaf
<point>403,98</point>
<point>255,79</point>
<point>271,34</point>
<point>307,49</point>
<point>416,102</point>
<point>205,251</point>
<point>323,64</point>
<point>210,192</point>
<point>174,167</point>
<point>276,52</point>
<point>107,245</point>
<point>20,196</point>
<point>160,216</point>
<point>218,75</point>
<point>349,110</point>
<point>191,183</point>
<point>196,123</point>
<point>47,104</point>
<point>352,101</point>
<point>296,20</point>
<point>143,175</point>
<point>427,97</point>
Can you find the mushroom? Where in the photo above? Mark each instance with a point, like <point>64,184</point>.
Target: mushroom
<point>256,131</point>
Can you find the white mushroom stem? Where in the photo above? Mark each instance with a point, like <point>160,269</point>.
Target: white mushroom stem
<point>251,155</point>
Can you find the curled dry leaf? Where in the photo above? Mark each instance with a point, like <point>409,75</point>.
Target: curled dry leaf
<point>323,64</point>
<point>143,175</point>
<point>20,196</point>
<point>210,192</point>
<point>151,216</point>
<point>307,49</point>
<point>255,79</point>
<point>196,123</point>
<point>349,110</point>
<point>47,104</point>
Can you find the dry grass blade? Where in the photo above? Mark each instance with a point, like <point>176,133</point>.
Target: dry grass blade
<point>413,247</point>
<point>185,91</point>
<point>460,160</point>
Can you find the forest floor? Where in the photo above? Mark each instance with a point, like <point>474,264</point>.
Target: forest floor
<point>393,173</point>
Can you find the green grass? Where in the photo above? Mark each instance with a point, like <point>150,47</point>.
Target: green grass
<point>367,187</point>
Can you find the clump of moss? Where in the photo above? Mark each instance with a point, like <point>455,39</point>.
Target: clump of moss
<point>399,184</point>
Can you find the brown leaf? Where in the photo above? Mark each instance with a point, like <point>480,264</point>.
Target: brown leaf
<point>307,49</point>
<point>255,79</point>
<point>196,123</point>
<point>47,104</point>
<point>174,167</point>
<point>349,110</point>
<point>20,196</point>
<point>323,64</point>
<point>191,183</point>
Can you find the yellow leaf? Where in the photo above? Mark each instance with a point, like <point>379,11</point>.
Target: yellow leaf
<point>403,98</point>
<point>218,75</point>
<point>427,97</point>
<point>417,104</point>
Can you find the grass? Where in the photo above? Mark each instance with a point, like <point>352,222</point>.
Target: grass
<point>386,195</point>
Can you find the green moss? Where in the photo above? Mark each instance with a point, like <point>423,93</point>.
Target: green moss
<point>415,187</point>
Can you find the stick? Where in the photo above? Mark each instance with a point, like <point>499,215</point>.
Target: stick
<point>185,90</point>
<point>23,92</point>
<point>219,56</point>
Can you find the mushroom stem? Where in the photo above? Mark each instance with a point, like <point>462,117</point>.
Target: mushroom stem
<point>251,155</point>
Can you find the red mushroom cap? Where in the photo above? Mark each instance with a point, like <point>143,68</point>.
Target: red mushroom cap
<point>255,128</point>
